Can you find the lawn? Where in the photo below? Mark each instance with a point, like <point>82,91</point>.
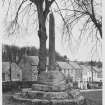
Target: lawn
<point>93,98</point>
<point>7,100</point>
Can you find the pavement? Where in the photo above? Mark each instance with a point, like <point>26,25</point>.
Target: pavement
<point>89,90</point>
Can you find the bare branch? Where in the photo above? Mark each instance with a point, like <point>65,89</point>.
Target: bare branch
<point>48,4</point>
<point>19,9</point>
<point>68,28</point>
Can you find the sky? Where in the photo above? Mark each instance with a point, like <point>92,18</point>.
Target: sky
<point>79,50</point>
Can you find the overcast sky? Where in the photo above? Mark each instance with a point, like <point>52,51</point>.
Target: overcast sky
<point>80,50</point>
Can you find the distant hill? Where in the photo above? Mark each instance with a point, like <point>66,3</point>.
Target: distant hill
<point>93,63</point>
<point>14,53</point>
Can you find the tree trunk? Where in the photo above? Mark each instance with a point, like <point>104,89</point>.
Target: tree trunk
<point>42,15</point>
<point>42,51</point>
<point>10,72</point>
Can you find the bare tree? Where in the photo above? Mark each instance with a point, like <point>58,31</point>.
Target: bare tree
<point>87,9</point>
<point>75,11</point>
<point>85,15</point>
<point>43,8</point>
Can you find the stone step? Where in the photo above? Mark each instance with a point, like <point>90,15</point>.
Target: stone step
<point>44,95</point>
<point>46,87</point>
<point>26,89</point>
<point>52,94</point>
<point>79,101</point>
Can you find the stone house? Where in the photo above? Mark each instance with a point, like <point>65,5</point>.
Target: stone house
<point>29,64</point>
<point>5,71</point>
<point>90,74</point>
<point>71,69</point>
<point>16,73</point>
<point>97,73</point>
<point>77,71</point>
<point>86,76</point>
<point>86,73</point>
<point>65,68</point>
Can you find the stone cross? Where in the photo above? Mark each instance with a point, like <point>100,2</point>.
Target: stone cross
<point>51,42</point>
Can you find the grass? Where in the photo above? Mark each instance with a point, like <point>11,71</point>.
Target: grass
<point>93,97</point>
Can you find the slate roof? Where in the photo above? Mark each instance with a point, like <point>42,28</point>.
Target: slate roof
<point>97,69</point>
<point>94,68</point>
<point>64,65</point>
<point>75,65</point>
<point>84,67</point>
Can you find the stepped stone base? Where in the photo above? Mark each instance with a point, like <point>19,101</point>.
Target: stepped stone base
<point>51,90</point>
<point>45,95</point>
<point>78,101</point>
<point>52,78</point>
<point>44,87</point>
